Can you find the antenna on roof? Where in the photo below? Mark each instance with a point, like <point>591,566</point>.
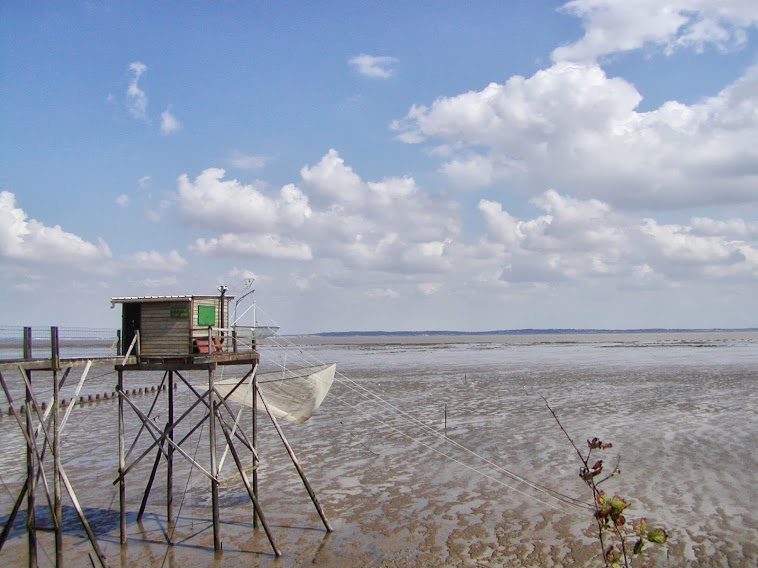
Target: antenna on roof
<point>250,290</point>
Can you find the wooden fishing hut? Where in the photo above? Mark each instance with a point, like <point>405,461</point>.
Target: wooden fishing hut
<point>190,333</point>
<point>175,325</point>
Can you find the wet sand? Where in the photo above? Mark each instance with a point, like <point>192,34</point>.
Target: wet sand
<point>681,413</point>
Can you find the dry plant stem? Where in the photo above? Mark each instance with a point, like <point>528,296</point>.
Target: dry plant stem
<point>581,457</point>
<point>595,491</point>
<point>609,510</point>
<point>619,534</point>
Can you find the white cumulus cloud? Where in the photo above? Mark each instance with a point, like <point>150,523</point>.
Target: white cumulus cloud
<point>248,161</point>
<point>331,214</point>
<point>252,245</point>
<point>136,99</point>
<point>613,26</point>
<point>30,242</point>
<point>169,122</point>
<point>578,239</point>
<point>573,126</point>
<point>378,67</point>
<point>154,260</point>
<point>212,202</point>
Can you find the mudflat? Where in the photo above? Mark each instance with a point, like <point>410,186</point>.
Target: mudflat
<point>440,453</point>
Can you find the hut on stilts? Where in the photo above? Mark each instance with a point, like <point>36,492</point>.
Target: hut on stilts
<point>178,336</point>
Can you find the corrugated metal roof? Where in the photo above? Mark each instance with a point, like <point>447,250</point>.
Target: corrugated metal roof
<point>176,298</point>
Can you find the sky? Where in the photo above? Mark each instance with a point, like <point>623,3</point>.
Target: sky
<point>442,165</point>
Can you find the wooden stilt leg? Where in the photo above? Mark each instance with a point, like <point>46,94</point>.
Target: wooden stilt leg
<point>58,512</point>
<point>170,453</point>
<point>214,470</point>
<point>254,434</point>
<point>121,458</point>
<point>31,520</point>
<point>17,506</point>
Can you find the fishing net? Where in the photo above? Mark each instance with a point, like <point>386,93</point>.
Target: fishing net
<point>292,394</point>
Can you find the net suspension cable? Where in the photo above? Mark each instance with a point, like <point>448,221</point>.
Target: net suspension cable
<point>368,395</point>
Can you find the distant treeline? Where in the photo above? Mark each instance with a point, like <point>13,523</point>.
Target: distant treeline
<point>528,331</point>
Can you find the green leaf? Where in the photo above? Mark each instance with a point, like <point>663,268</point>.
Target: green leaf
<point>638,546</point>
<point>617,503</point>
<point>657,536</point>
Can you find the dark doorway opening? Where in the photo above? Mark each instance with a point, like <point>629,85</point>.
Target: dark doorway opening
<point>132,319</point>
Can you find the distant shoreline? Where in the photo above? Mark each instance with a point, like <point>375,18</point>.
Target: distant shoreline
<point>526,331</point>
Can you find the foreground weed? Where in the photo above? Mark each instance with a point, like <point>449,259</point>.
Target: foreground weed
<point>620,543</point>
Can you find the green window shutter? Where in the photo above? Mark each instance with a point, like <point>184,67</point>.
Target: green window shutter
<point>206,315</point>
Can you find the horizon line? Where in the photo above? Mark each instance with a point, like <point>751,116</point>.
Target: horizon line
<point>526,331</point>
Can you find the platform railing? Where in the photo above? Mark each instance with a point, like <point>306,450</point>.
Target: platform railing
<point>210,339</point>
<point>73,342</point>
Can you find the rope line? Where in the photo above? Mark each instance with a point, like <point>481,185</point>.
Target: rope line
<point>368,395</point>
<point>429,430</point>
<point>184,496</point>
<point>467,466</point>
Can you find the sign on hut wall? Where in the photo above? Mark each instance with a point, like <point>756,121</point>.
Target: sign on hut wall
<point>180,312</point>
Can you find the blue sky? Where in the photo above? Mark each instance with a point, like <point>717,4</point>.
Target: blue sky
<point>393,166</point>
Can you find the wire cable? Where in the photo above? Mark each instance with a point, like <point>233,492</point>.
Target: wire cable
<point>367,394</point>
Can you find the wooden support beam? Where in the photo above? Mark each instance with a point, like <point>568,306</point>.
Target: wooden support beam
<point>151,428</point>
<point>149,485</point>
<point>31,520</point>
<point>161,440</point>
<point>82,518</point>
<point>291,453</point>
<point>12,517</point>
<point>121,459</point>
<point>58,511</point>
<point>170,455</point>
<point>214,470</point>
<point>223,399</point>
<point>31,436</point>
<point>201,398</point>
<point>248,487</point>
<point>254,435</point>
<point>51,432</point>
<point>149,413</point>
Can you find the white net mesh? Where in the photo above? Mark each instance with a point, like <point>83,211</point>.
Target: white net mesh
<point>291,394</point>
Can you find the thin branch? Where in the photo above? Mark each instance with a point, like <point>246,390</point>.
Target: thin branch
<point>581,457</point>
<point>614,472</point>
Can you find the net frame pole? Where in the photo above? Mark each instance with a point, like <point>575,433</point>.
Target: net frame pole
<point>295,462</point>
